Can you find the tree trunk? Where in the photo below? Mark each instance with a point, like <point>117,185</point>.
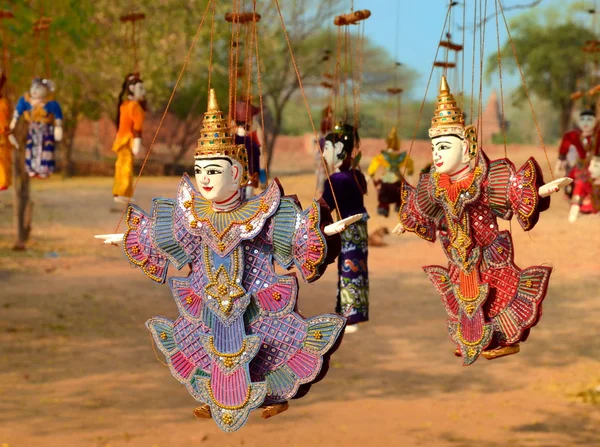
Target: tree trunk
<point>23,208</point>
<point>68,143</point>
<point>565,118</point>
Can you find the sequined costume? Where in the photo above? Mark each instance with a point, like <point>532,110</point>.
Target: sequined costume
<point>40,144</point>
<point>489,300</point>
<point>239,342</point>
<point>491,303</point>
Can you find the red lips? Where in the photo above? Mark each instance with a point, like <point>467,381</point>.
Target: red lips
<point>207,188</point>
<point>439,164</point>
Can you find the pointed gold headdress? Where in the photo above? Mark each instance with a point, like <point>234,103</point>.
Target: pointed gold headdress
<point>392,141</point>
<point>217,138</point>
<point>448,118</point>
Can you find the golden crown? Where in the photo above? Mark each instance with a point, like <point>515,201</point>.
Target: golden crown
<point>448,118</point>
<point>392,141</point>
<point>217,137</point>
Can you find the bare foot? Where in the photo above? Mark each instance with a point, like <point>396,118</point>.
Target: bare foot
<point>273,410</point>
<point>203,412</point>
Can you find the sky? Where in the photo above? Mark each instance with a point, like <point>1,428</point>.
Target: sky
<point>420,27</point>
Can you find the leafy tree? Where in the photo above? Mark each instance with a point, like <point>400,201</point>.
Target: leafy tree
<point>549,48</point>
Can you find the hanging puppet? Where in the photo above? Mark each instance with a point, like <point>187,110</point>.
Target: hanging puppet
<point>7,141</point>
<point>45,117</point>
<point>247,133</point>
<point>491,303</point>
<point>586,189</point>
<point>239,342</point>
<point>392,162</point>
<point>578,145</point>
<point>347,186</point>
<point>128,142</point>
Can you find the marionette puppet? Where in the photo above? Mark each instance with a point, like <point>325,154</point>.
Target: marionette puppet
<point>346,187</point>
<point>239,342</point>
<point>247,134</point>
<point>128,142</point>
<point>392,162</point>
<point>45,118</point>
<point>7,144</point>
<point>586,190</point>
<point>491,303</point>
<point>577,146</point>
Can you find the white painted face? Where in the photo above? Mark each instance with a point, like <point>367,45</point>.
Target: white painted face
<point>38,91</point>
<point>331,153</point>
<point>218,178</point>
<point>449,154</point>
<point>138,92</point>
<point>587,123</point>
<point>594,167</point>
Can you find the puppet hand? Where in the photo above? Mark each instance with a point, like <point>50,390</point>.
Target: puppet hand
<point>573,213</point>
<point>341,225</point>
<point>110,239</point>
<point>58,133</point>
<point>399,229</point>
<point>137,145</point>
<point>554,186</point>
<point>13,141</point>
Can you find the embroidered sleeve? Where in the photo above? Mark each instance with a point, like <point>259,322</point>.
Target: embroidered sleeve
<point>298,239</point>
<point>516,193</point>
<point>419,213</point>
<point>149,242</point>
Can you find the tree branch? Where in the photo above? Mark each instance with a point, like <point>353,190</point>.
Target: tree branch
<point>510,8</point>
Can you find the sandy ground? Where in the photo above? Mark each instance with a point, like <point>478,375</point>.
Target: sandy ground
<point>77,366</point>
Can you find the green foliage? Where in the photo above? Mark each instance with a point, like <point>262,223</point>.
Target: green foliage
<point>548,46</point>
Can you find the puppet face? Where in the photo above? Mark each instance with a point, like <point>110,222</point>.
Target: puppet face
<point>218,178</point>
<point>594,167</point>
<point>587,123</point>
<point>449,154</point>
<point>332,153</point>
<point>137,91</point>
<point>38,91</point>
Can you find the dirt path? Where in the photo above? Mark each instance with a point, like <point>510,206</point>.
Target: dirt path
<point>77,367</point>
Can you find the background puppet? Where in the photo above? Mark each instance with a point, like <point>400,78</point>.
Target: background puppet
<point>128,142</point>
<point>577,146</point>
<point>392,162</point>
<point>250,135</point>
<point>45,117</point>
<point>346,187</point>
<point>491,303</point>
<point>586,190</point>
<point>239,342</point>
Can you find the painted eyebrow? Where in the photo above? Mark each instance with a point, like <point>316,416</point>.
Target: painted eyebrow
<point>440,142</point>
<point>209,166</point>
